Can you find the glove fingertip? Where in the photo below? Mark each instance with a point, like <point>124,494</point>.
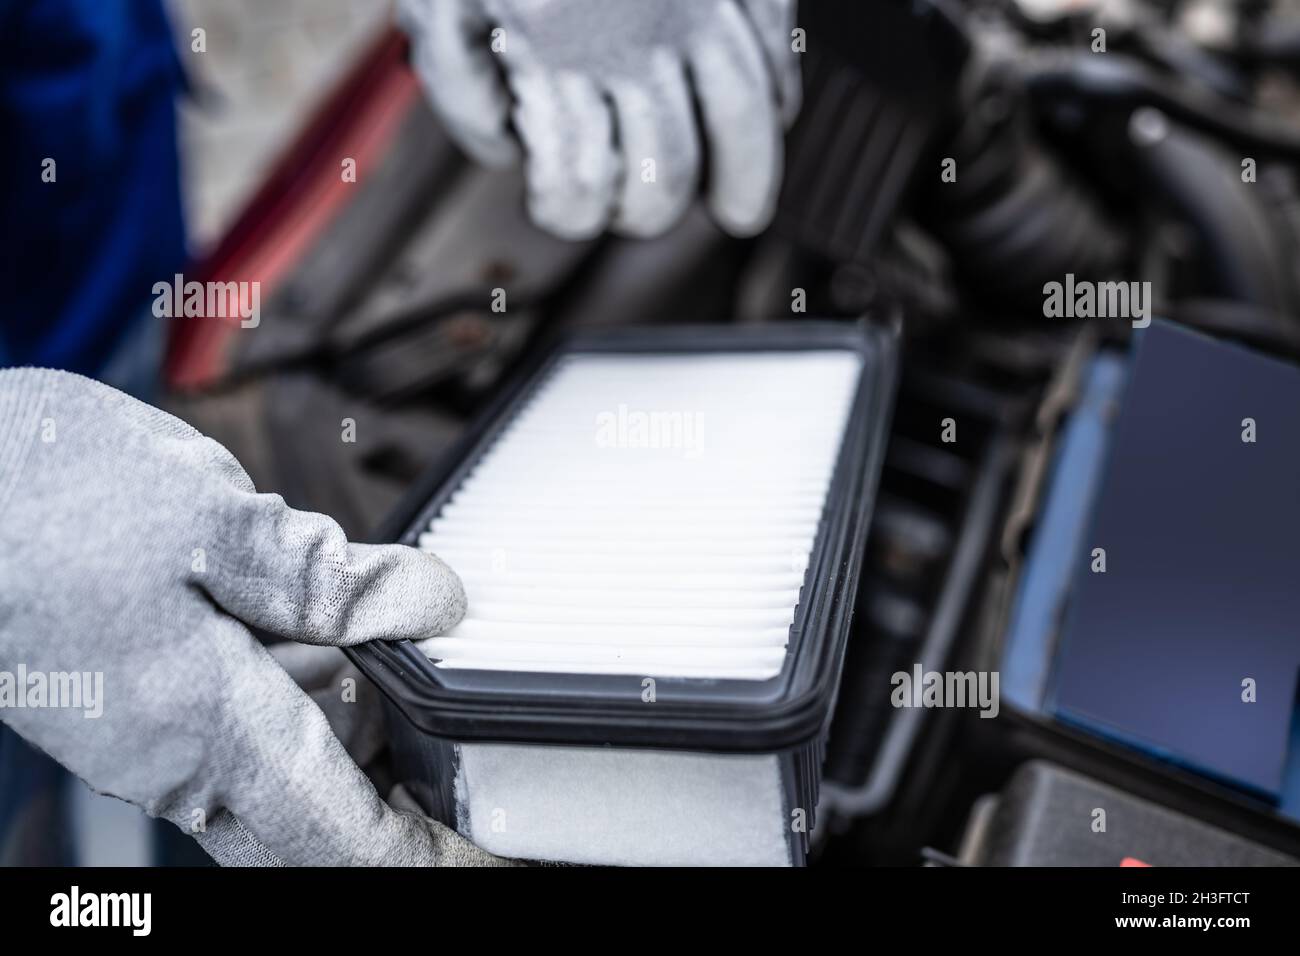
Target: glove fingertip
<point>491,151</point>
<point>791,97</point>
<point>442,593</point>
<point>746,214</point>
<point>574,221</point>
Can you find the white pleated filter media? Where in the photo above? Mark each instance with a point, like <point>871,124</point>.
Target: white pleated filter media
<point>647,514</point>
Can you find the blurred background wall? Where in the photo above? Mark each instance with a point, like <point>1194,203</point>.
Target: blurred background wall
<point>266,65</point>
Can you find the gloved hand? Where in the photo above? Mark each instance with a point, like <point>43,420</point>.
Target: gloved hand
<point>601,86</point>
<point>134,548</point>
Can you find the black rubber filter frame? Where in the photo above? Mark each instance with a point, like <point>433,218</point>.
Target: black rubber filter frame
<point>788,711</point>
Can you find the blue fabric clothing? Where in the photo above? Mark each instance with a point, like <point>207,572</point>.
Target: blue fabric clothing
<point>90,85</point>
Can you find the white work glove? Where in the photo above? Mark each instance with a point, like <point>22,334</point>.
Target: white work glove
<point>599,87</point>
<point>134,548</point>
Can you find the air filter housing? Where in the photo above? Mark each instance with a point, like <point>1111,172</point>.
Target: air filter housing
<point>660,534</point>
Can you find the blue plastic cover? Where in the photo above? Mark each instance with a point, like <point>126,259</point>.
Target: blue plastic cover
<point>1201,592</point>
<point>1044,587</point>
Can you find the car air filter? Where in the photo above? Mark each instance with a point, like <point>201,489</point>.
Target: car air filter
<point>660,534</point>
